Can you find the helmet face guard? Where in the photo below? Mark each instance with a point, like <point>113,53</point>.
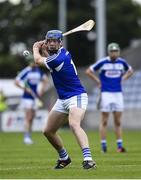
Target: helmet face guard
<point>54,34</point>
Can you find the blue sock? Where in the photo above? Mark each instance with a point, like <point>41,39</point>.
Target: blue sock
<point>87,154</point>
<point>27,134</point>
<point>104,145</point>
<point>63,155</point>
<point>119,143</point>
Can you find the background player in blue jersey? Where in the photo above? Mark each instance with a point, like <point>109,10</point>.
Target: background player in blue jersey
<point>72,101</point>
<point>28,80</point>
<point>113,70</point>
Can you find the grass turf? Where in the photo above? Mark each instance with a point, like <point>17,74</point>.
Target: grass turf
<point>37,161</point>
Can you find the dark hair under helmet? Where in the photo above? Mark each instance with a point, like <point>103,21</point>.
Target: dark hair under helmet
<point>54,34</point>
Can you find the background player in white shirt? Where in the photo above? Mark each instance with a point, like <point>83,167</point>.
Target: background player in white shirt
<point>113,70</point>
<point>28,80</point>
<point>72,102</point>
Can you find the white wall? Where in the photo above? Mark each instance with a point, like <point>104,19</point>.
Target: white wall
<point>9,88</point>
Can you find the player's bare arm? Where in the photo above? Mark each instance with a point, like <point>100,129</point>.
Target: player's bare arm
<point>127,75</point>
<point>38,58</point>
<point>19,85</point>
<point>91,74</point>
<point>23,87</point>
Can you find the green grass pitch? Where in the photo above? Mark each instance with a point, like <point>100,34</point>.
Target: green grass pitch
<point>37,161</point>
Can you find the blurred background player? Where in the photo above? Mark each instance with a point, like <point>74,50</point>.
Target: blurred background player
<point>28,80</point>
<point>3,104</point>
<point>72,102</point>
<point>113,70</point>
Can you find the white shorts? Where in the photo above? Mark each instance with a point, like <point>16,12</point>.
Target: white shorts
<point>80,101</point>
<point>111,102</point>
<point>28,104</point>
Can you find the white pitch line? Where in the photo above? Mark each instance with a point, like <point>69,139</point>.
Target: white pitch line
<point>22,168</point>
<point>34,167</point>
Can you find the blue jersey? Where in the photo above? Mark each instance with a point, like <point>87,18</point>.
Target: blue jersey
<point>31,77</point>
<point>110,73</point>
<point>64,74</point>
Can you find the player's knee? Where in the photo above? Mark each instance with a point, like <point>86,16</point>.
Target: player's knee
<point>74,125</point>
<point>46,132</point>
<point>117,123</point>
<point>104,123</point>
